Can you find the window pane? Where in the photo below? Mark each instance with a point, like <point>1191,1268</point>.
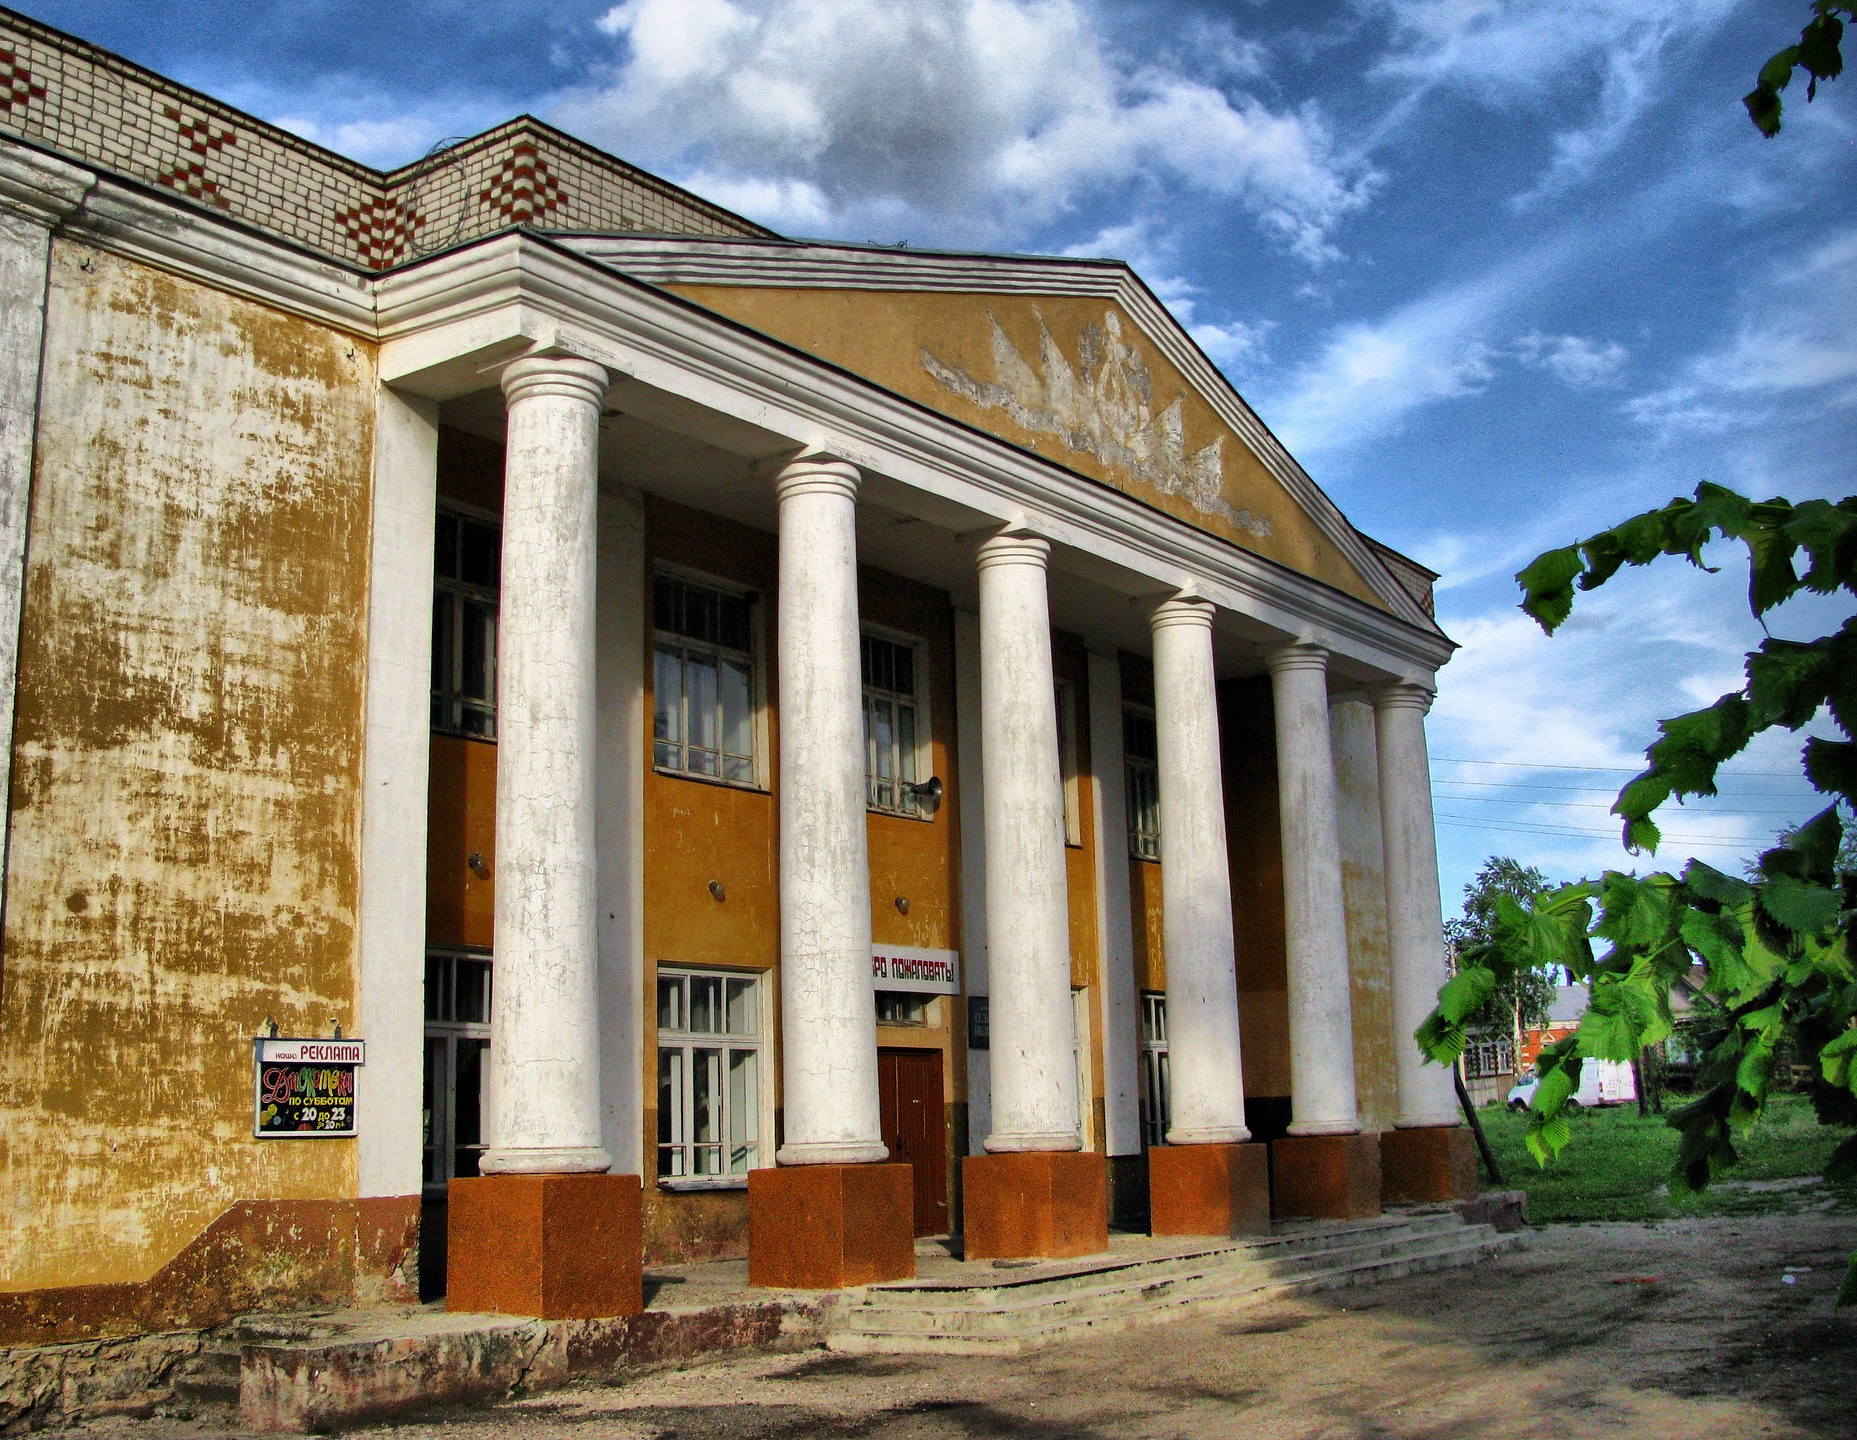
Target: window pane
<point>670,1112</point>
<point>473,992</point>
<point>737,709</point>
<point>904,681</point>
<point>445,557</point>
<point>706,1096</point>
<point>883,737</point>
<point>467,1120</point>
<point>906,742</point>
<point>744,1108</point>
<point>443,680</point>
<point>739,768</point>
<point>480,555</point>
<point>667,705</point>
<point>700,712</point>
<point>732,620</point>
<point>664,598</point>
<point>438,970</point>
<point>432,1117</point>
<point>479,636</point>
<point>670,1004</point>
<point>742,1017</point>
<point>706,1004</point>
<point>699,613</point>
<point>865,644</point>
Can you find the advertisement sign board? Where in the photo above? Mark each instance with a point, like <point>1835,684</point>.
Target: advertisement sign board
<point>304,1089</point>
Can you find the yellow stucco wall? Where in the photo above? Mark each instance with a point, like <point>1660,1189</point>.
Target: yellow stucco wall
<point>184,808</point>
<point>1071,377</point>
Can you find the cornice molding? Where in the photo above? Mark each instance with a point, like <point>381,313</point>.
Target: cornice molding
<point>789,264</point>
<point>40,187</point>
<point>525,290</point>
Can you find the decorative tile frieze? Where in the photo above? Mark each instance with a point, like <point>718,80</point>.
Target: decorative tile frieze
<point>85,103</point>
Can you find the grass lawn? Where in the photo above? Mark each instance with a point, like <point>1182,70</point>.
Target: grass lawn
<point>1618,1167</point>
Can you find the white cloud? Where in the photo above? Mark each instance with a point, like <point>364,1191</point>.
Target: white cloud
<point>1572,359</point>
<point>382,143</point>
<point>971,119</point>
<point>1796,338</point>
<point>1235,347</point>
<point>1516,52</point>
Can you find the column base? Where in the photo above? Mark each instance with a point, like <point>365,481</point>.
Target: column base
<point>1325,1177</point>
<point>1209,1189</point>
<point>1035,1204</point>
<point>1420,1167</point>
<point>553,1247</point>
<point>825,1227</point>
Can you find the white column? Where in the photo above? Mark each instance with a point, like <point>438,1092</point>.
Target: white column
<point>622,645</point>
<point>1206,1077</point>
<point>1034,1071</point>
<point>828,1035</point>
<point>392,922</point>
<point>1414,913</point>
<point>1114,914</point>
<point>544,1022</point>
<point>1315,918</point>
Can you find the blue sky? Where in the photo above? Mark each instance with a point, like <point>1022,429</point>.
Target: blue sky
<point>1499,272</point>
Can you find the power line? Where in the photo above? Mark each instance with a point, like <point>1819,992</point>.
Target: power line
<point>1525,785</point>
<point>1608,769</point>
<point>1601,805</point>
<point>1530,828</point>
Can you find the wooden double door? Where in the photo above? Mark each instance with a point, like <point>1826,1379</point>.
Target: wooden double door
<point>915,1127</point>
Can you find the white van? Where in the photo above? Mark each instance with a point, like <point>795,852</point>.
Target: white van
<point>1602,1082</point>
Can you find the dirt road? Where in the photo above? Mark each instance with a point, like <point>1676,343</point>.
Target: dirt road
<point>1682,1330</point>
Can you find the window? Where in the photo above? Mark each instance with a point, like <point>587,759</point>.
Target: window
<point>457,1042</point>
<point>1156,1102</point>
<point>466,576</point>
<point>893,729</point>
<point>1141,758</point>
<point>900,1007</point>
<point>1487,1055</point>
<point>703,686</point>
<point>1067,761</point>
<point>709,1077</point>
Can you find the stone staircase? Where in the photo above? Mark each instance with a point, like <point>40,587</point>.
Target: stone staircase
<point>1010,1310</point>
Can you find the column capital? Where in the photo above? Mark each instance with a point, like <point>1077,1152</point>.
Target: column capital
<point>1014,547</point>
<point>817,474</point>
<point>1403,695</point>
<point>569,376</point>
<point>1303,655</point>
<point>1184,609</point>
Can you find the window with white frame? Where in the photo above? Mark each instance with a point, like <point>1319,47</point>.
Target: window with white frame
<point>466,579</point>
<point>709,1077</point>
<point>1142,762</point>
<point>894,730</point>
<point>1488,1054</point>
<point>457,1048</point>
<point>1156,1104</point>
<point>703,688</point>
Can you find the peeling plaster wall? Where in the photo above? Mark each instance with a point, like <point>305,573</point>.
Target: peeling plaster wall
<point>184,802</point>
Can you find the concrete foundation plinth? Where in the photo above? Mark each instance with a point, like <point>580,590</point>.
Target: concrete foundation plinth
<point>1436,1163</point>
<point>553,1247</point>
<point>1325,1177</point>
<point>1209,1189</point>
<point>1043,1204</point>
<point>824,1227</point>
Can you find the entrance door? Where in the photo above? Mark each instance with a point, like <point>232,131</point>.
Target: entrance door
<point>915,1128</point>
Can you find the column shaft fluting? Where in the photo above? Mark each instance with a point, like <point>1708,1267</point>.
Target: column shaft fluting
<point>1205,1072</point>
<point>1028,921</point>
<point>828,1029</point>
<point>544,1097</point>
<point>1322,1099</point>
<point>1414,913</point>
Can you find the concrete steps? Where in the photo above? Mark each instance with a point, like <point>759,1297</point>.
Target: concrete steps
<point>984,1315</point>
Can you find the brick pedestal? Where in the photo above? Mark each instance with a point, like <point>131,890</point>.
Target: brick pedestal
<point>1042,1204</point>
<point>823,1227</point>
<point>555,1247</point>
<point>1209,1189</point>
<point>1423,1166</point>
<point>1325,1177</point>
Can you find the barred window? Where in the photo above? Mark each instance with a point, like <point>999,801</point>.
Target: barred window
<point>1141,759</point>
<point>1156,1103</point>
<point>466,579</point>
<point>703,680</point>
<point>709,1076</point>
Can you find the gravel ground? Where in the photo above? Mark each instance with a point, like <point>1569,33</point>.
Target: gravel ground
<point>1681,1329</point>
